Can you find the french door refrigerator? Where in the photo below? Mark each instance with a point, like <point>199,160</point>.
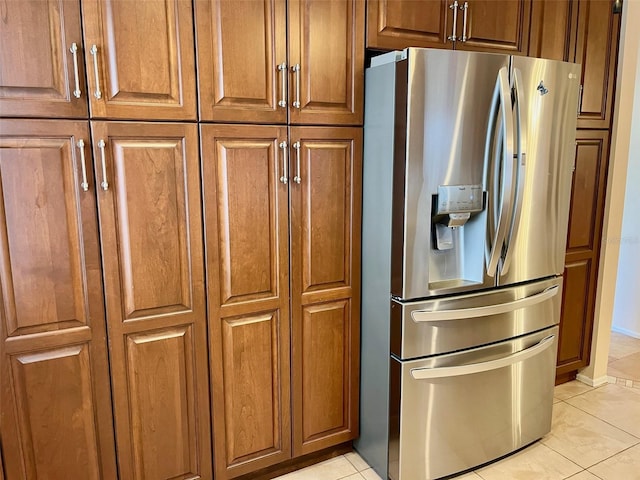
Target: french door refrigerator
<point>468,164</point>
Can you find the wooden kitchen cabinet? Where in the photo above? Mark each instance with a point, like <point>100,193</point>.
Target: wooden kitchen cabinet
<point>140,59</point>
<point>40,40</point>
<point>56,419</point>
<point>255,67</point>
<point>583,250</point>
<point>491,25</point>
<point>596,49</point>
<point>325,285</point>
<point>151,231</point>
<point>552,22</point>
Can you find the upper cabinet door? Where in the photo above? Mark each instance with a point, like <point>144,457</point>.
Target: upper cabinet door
<point>398,24</point>
<point>550,29</point>
<point>242,60</point>
<point>41,60</point>
<point>55,394</point>
<point>140,59</point>
<point>151,236</point>
<point>596,49</point>
<point>326,61</point>
<point>494,26</point>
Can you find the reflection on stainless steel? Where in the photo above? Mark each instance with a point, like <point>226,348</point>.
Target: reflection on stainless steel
<point>466,184</point>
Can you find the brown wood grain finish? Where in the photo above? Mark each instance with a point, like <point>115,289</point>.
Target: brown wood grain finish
<point>596,49</point>
<point>240,45</point>
<point>144,56</point>
<point>325,284</point>
<point>397,24</point>
<point>151,230</point>
<point>495,26</point>
<point>326,40</point>
<point>551,22</point>
<point>36,64</point>
<point>246,231</point>
<point>55,390</point>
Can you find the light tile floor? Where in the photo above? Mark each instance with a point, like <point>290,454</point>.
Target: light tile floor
<point>595,435</point>
<point>624,360</point>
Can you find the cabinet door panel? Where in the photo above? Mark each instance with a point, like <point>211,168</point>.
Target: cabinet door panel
<point>575,330</point>
<point>246,212</point>
<point>240,45</point>
<point>325,269</point>
<point>398,24</point>
<point>326,39</point>
<point>550,29</point>
<point>145,59</point>
<point>495,26</point>
<point>153,266</point>
<point>597,52</point>
<point>55,390</point>
<point>36,64</point>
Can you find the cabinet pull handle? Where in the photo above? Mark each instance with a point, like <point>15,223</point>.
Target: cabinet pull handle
<point>454,8</point>
<point>296,71</point>
<point>76,76</point>
<point>104,184</point>
<point>285,174</point>
<point>580,101</point>
<point>297,178</point>
<point>83,164</point>
<point>282,68</point>
<point>464,9</point>
<point>94,54</point>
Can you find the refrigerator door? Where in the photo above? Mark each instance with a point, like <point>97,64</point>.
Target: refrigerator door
<point>424,328</point>
<point>545,94</point>
<point>455,412</point>
<point>442,113</point>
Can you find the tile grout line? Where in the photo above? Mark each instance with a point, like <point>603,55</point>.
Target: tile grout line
<point>608,458</point>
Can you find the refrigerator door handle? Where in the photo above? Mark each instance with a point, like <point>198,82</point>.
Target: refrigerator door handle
<point>484,311</point>
<point>522,355</point>
<point>521,145</point>
<point>503,92</point>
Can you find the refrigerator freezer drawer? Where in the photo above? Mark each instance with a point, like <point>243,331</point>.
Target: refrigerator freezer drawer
<point>470,407</point>
<point>432,327</point>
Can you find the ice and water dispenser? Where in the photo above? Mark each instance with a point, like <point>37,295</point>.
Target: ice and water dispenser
<point>453,207</point>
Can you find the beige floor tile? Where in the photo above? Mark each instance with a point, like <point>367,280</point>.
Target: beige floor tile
<point>370,474</point>
<point>355,476</point>
<point>584,439</point>
<point>623,345</point>
<point>536,462</point>
<point>623,466</point>
<point>627,367</point>
<point>584,475</point>
<point>570,389</point>
<point>332,469</point>
<point>468,476</point>
<point>617,405</point>
<point>357,461</point>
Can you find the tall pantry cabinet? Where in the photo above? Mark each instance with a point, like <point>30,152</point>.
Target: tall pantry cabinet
<point>179,252</point>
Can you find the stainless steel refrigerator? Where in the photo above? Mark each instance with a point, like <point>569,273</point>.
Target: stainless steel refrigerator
<point>468,164</point>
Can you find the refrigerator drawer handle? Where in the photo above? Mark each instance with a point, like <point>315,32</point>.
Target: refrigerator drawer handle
<point>428,373</point>
<point>463,313</point>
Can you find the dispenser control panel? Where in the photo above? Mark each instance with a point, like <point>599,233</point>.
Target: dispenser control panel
<point>453,199</point>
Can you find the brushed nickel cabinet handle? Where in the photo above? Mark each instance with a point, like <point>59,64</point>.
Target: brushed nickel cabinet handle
<point>464,9</point>
<point>76,76</point>
<point>104,184</point>
<point>94,54</point>
<point>296,71</point>
<point>285,173</point>
<point>297,178</point>
<point>454,8</point>
<point>84,184</point>
<point>282,68</point>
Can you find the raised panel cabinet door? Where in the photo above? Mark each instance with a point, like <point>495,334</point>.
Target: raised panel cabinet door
<point>41,59</point>
<point>551,22</point>
<point>583,249</point>
<point>247,257</point>
<point>325,285</point>
<point>326,62</point>
<point>140,59</point>
<point>56,417</point>
<point>242,60</point>
<point>494,26</point>
<point>596,49</point>
<point>398,24</point>
<point>151,232</point>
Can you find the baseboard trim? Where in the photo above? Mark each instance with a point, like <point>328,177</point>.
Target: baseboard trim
<point>624,331</point>
<point>592,382</point>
